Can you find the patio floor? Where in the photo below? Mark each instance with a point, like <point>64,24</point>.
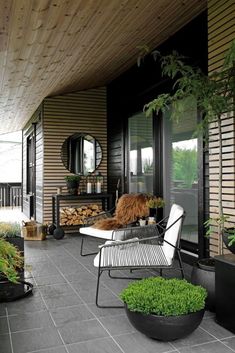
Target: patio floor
<point>61,317</point>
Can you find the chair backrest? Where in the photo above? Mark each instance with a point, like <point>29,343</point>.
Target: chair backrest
<point>173,231</point>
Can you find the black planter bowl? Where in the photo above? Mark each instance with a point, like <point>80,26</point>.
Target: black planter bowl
<point>203,274</point>
<point>165,328</point>
<point>12,291</point>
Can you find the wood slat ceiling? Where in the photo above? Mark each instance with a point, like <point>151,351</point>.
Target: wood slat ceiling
<point>53,47</point>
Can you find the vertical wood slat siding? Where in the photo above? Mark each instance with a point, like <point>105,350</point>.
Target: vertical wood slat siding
<point>65,115</point>
<point>221,32</point>
<point>37,117</point>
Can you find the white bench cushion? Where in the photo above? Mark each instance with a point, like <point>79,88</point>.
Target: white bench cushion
<point>97,233</point>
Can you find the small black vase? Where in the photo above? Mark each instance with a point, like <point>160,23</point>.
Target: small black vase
<point>152,212</point>
<point>72,186</point>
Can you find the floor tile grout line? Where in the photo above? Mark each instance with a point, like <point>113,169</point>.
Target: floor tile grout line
<point>9,330</point>
<point>174,349</point>
<point>67,282</point>
<point>109,334</point>
<point>98,319</point>
<point>95,317</point>
<point>44,349</point>
<point>60,307</point>
<point>217,339</point>
<point>28,330</point>
<point>205,343</point>
<point>53,321</point>
<point>227,346</point>
<point>221,340</point>
<point>96,339</point>
<point>94,276</point>
<point>227,337</point>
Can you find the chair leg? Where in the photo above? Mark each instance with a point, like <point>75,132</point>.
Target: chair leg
<point>97,288</point>
<point>97,294</point>
<point>160,272</point>
<point>81,250</point>
<point>181,265</point>
<point>119,277</point>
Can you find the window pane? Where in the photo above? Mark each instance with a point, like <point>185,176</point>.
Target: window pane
<point>180,173</point>
<point>140,138</point>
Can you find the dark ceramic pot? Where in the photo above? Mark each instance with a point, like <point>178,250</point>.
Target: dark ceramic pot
<point>152,212</point>
<point>203,274</point>
<point>72,186</point>
<point>12,291</point>
<point>165,328</point>
<point>226,241</point>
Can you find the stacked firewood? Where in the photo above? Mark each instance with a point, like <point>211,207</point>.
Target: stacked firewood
<point>76,216</point>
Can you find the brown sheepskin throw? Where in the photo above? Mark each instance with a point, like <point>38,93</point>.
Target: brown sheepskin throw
<point>129,208</point>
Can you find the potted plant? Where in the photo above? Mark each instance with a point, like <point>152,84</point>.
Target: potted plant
<point>11,260</point>
<point>12,283</point>
<point>164,309</point>
<point>154,203</point>
<point>72,183</point>
<point>12,233</point>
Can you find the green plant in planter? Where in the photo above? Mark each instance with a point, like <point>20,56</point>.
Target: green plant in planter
<point>10,230</point>
<point>155,202</point>
<point>231,237</point>
<point>72,178</point>
<point>219,222</point>
<point>11,261</point>
<point>165,297</point>
<point>72,183</point>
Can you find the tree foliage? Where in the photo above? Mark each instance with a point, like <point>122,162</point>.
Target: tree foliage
<point>185,166</point>
<point>214,95</point>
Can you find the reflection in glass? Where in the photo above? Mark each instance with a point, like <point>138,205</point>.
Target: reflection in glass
<point>81,153</point>
<point>140,138</point>
<point>180,169</point>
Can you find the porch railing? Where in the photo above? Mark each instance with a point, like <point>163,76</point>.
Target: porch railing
<point>10,194</point>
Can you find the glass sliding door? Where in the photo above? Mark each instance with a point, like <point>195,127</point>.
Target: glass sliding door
<point>141,156</point>
<point>180,168</point>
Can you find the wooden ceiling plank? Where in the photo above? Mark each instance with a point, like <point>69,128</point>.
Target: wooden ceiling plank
<point>54,46</point>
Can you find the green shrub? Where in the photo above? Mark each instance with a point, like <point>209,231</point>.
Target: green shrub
<point>155,202</point>
<point>167,297</point>
<point>9,230</point>
<point>10,261</point>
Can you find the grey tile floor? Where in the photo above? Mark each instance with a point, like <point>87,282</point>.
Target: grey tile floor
<point>61,317</point>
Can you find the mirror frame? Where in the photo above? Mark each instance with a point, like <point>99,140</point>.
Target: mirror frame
<point>73,151</point>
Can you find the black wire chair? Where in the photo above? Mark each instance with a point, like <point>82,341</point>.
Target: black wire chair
<point>146,247</point>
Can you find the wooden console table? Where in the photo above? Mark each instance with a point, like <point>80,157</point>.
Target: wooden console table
<point>106,200</point>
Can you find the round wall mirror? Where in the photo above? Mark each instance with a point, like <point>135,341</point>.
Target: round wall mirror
<point>81,153</point>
